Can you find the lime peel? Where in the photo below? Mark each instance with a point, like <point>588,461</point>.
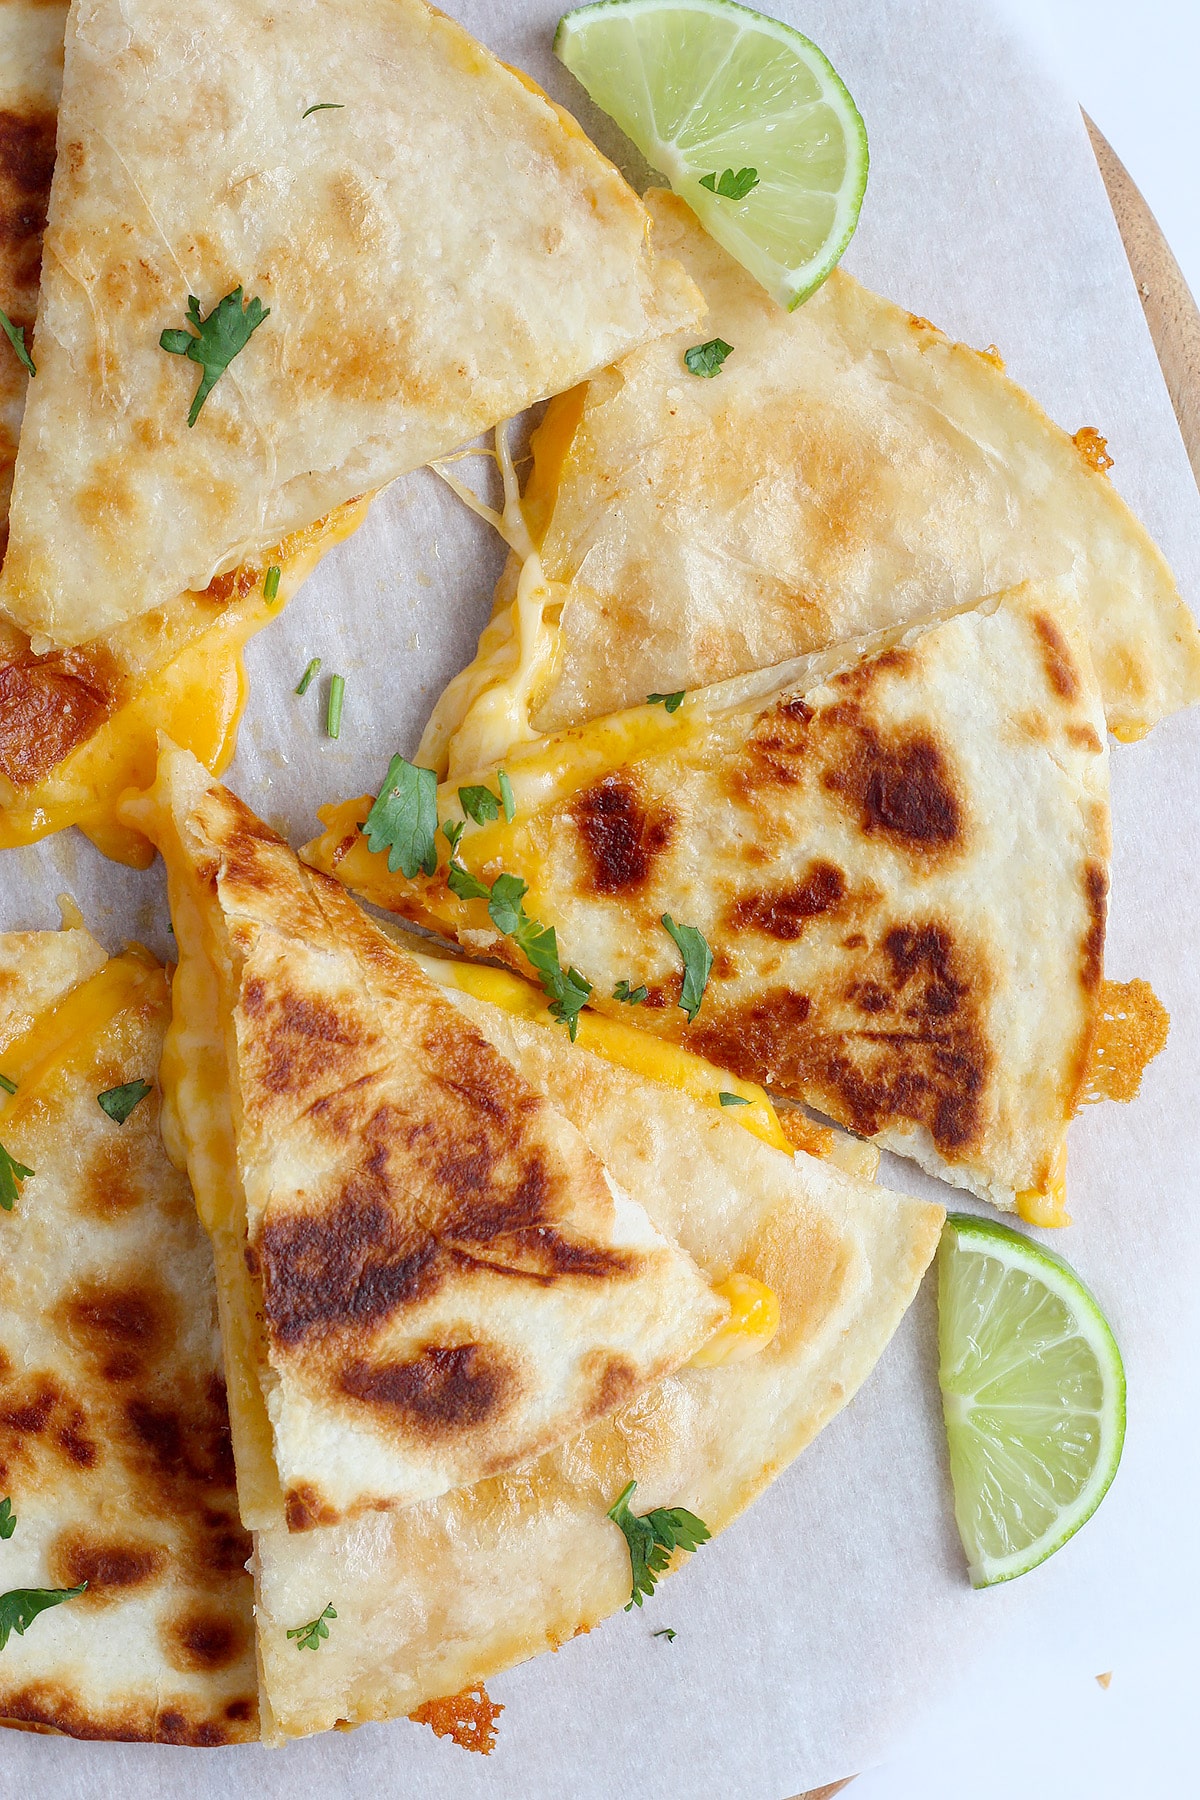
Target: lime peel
<point>1033,1394</point>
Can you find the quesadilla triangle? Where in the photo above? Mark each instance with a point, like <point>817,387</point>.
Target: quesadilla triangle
<point>894,856</point>
<point>78,727</point>
<point>438,1598</point>
<point>427,1274</point>
<point>849,469</point>
<point>115,1461</point>
<point>377,238</point>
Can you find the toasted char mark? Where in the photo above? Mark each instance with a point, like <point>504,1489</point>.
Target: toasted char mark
<point>115,1178</point>
<point>859,679</point>
<point>1093,448</point>
<point>303,1508</point>
<point>26,168</point>
<point>202,1640</point>
<point>445,1390</point>
<point>42,1418</point>
<point>468,1718</point>
<point>50,705</point>
<point>1095,889</point>
<point>180,1439</point>
<point>118,1328</point>
<point>1061,672</point>
<point>758,1040</point>
<point>349,1265</point>
<point>44,1706</point>
<point>784,912</point>
<point>616,1383</point>
<point>109,1567</point>
<point>623,837</point>
<point>902,789</point>
<point>775,748</point>
<point>303,1040</point>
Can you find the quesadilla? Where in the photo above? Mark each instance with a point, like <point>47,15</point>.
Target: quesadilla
<point>77,727</point>
<point>874,880</point>
<point>440,1597</point>
<point>849,469</point>
<point>427,1276</point>
<point>115,1465</point>
<point>375,239</point>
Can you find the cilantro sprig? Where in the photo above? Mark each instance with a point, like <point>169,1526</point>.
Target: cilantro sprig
<point>308,1637</point>
<point>16,337</point>
<point>706,359</point>
<point>652,1538</point>
<point>697,963</point>
<point>11,1171</point>
<point>566,989</point>
<point>403,820</point>
<point>8,1518</point>
<point>21,1606</point>
<point>482,806</point>
<point>216,339</point>
<point>119,1102</point>
<point>731,184</point>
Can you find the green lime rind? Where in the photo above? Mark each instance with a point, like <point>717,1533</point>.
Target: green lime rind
<point>705,85</point>
<point>1033,1392</point>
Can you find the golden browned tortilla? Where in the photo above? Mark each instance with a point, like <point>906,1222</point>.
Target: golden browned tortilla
<point>434,1275</point>
<point>114,1438</point>
<point>426,246</point>
<point>898,856</point>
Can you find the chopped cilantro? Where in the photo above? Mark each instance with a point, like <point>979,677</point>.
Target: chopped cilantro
<point>505,908</point>
<point>463,885</point>
<point>697,963</point>
<point>507,797</point>
<point>672,702</point>
<point>308,1637</point>
<point>16,337</point>
<point>404,819</point>
<point>566,989</point>
<point>119,1102</point>
<point>305,681</point>
<point>727,1099</point>
<point>706,359</point>
<point>632,996</point>
<point>479,804</point>
<point>333,711</point>
<point>324,106</point>
<point>730,185</point>
<point>652,1537</point>
<point>216,341</point>
<point>8,1518</point>
<point>271,584</point>
<point>20,1607</point>
<point>10,1087</point>
<point>11,1171</point>
<point>665,1632</point>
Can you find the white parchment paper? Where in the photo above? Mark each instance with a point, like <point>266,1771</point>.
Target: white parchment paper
<point>814,1632</point>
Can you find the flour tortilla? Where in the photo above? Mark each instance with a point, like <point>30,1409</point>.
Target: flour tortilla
<point>429,254</point>
<point>445,1277</point>
<point>435,1599</point>
<point>850,469</point>
<point>898,854</point>
<point>114,1437</point>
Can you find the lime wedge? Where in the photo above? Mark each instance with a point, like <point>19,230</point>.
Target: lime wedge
<point>707,89</point>
<point>1033,1393</point>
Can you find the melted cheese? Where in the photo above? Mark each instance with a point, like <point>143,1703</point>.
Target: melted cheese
<point>1047,1205</point>
<point>58,1034</point>
<point>752,1323</point>
<point>197,699</point>
<point>621,1044</point>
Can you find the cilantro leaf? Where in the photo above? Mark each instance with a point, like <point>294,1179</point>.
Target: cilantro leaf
<point>727,1099</point>
<point>507,798</point>
<point>463,884</point>
<point>672,702</point>
<point>10,1087</point>
<point>632,996</point>
<point>453,830</point>
<point>8,1518</point>
<point>20,1607</point>
<point>706,359</point>
<point>119,1102</point>
<point>308,1637</point>
<point>697,963</point>
<point>404,819</point>
<point>479,804</point>
<point>505,908</point>
<point>665,1632</point>
<point>217,339</point>
<point>652,1537</point>
<point>11,1171</point>
<point>16,337</point>
<point>731,185</point>
<point>324,106</point>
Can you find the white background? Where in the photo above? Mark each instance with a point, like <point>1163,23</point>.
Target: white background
<point>1135,68</point>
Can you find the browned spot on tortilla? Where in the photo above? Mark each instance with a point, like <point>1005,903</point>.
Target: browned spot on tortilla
<point>1095,888</point>
<point>920,324</point>
<point>304,1040</point>
<point>46,1706</point>
<point>203,1640</point>
<point>784,912</point>
<point>775,748</point>
<point>351,1264</point>
<point>901,788</point>
<point>1061,672</point>
<point>42,1419</point>
<point>1131,1030</point>
<point>622,836</point>
<point>469,1718</point>
<point>50,705</point>
<point>1084,737</point>
<point>304,1508</point>
<point>109,1566</point>
<point>617,1381</point>
<point>117,1328</point>
<point>26,167</point>
<point>446,1389</point>
<point>1093,448</point>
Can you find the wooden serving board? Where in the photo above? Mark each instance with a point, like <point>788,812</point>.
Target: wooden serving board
<point>1174,321</point>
